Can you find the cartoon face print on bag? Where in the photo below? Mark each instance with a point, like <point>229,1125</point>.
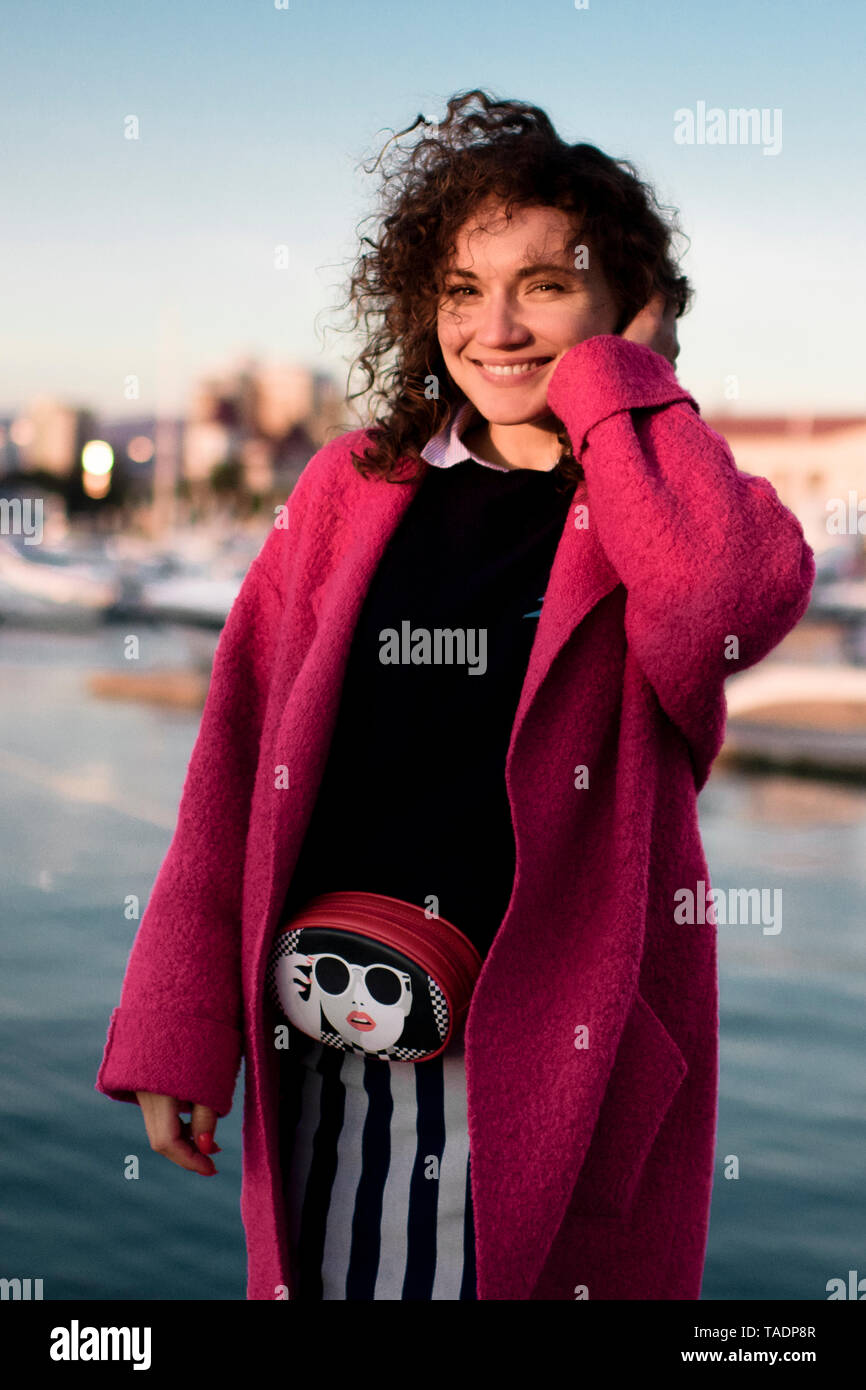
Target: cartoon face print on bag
<point>357,994</point>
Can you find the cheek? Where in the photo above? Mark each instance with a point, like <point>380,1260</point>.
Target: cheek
<point>604,306</point>
<point>384,1013</point>
<point>581,322</point>
<point>451,331</point>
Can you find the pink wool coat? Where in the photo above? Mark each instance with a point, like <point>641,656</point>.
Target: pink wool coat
<point>592,1036</point>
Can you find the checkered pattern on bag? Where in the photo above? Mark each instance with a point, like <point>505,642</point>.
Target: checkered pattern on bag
<point>285,945</point>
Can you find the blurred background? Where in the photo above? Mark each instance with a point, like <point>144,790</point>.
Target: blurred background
<point>182,192</point>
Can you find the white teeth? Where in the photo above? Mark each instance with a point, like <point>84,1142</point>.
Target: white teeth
<point>510,370</point>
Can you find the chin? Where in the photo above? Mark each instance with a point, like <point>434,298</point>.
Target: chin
<point>498,413</point>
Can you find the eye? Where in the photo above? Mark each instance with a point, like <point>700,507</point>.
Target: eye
<point>458,291</point>
<point>383,984</point>
<point>331,975</point>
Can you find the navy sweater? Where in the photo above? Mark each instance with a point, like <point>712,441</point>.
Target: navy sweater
<point>413,801</point>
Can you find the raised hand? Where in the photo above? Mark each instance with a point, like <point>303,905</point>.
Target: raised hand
<point>656,327</point>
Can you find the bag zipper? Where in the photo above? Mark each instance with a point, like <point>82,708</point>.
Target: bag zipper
<point>465,963</point>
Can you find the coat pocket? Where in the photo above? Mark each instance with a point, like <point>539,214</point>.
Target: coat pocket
<point>648,1070</point>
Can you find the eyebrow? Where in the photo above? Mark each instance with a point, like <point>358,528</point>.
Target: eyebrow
<point>548,267</point>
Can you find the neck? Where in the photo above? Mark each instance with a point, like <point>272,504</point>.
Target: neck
<point>514,446</point>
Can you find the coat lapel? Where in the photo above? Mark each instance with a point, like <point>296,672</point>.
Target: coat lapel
<point>580,576</point>
<point>526,1162</point>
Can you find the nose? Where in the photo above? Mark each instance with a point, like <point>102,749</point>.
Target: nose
<point>357,984</point>
<point>499,325</point>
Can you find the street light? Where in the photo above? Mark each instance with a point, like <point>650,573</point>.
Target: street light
<point>97,461</point>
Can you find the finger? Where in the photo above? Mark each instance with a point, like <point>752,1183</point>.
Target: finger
<point>170,1136</point>
<point>203,1125</point>
<point>183,1152</point>
<point>646,323</point>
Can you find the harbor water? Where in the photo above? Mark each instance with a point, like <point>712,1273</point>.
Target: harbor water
<point>88,800</point>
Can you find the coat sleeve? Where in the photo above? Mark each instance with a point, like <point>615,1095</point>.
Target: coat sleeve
<point>716,569</point>
<point>178,1028</point>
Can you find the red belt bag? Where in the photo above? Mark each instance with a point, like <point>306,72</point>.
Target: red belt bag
<point>374,975</point>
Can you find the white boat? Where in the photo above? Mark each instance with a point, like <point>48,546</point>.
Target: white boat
<point>190,598</point>
<point>799,715</point>
<point>845,599</point>
<point>53,582</point>
<point>192,577</point>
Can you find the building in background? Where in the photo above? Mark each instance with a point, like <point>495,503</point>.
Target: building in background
<point>259,426</point>
<point>42,439</point>
<point>250,430</point>
<point>812,462</point>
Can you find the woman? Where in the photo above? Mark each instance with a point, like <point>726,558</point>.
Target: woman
<point>542,486</point>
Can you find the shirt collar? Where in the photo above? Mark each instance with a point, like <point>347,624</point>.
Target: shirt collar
<point>446,448</point>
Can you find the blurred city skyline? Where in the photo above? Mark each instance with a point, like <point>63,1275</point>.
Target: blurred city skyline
<point>152,260</point>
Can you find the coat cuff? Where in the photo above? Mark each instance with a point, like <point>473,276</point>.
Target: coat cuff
<point>604,375</point>
<point>195,1059</point>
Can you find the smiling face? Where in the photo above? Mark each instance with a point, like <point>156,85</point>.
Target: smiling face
<point>513,305</point>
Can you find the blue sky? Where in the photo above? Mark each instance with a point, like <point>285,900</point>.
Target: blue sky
<point>155,257</point>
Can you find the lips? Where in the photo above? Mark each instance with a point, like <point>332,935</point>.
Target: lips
<point>363,1022</point>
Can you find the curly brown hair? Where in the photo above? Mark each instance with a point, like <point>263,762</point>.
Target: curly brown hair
<point>484,148</point>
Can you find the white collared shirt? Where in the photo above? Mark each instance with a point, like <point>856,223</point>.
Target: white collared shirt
<point>446,448</point>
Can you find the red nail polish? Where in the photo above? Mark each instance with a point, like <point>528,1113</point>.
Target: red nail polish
<point>206,1145</point>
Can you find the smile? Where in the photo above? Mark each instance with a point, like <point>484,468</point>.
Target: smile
<point>511,371</point>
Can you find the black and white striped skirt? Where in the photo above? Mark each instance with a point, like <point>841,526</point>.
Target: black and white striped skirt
<point>375,1174</point>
